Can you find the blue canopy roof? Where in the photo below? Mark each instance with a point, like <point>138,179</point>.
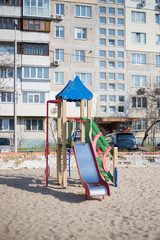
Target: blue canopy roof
<point>75,91</point>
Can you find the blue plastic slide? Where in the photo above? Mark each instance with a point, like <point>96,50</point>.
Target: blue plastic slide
<point>88,170</point>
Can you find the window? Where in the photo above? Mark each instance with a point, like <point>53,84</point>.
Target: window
<point>138,58</point>
<point>102,31</point>
<point>120,1</point>
<point>111,54</point>
<point>59,78</point>
<point>86,78</point>
<point>102,20</point>
<point>35,73</point>
<point>120,43</point>
<point>157,18</point>
<point>157,39</point>
<point>102,41</point>
<point>121,109</point>
<point>103,1</point>
<point>10,2</point>
<point>157,60</point>
<point>6,72</point>
<point>59,55</point>
<point>111,11</point>
<point>120,33</point>
<point>111,76</point>
<point>8,23</point>
<point>139,126</point>
<point>111,64</point>
<point>120,76</point>
<point>111,21</point>
<point>102,10</point>
<point>33,97</point>
<point>120,54</point>
<point>111,1</point>
<point>138,38</point>
<point>138,102</point>
<point>112,109</point>
<point>103,98</point>
<point>120,86</point>
<point>138,17</point>
<point>158,103</point>
<point>36,25</point>
<point>120,65</point>
<point>112,98</point>
<point>120,11</point>
<point>111,32</point>
<point>36,8</point>
<point>6,97</point>
<point>102,86</point>
<point>139,81</point>
<point>102,53</point>
<point>60,9</point>
<point>6,124</point>
<point>112,87</point>
<point>120,21</point>
<point>111,42</point>
<point>81,33</point>
<point>157,81</point>
<point>35,49</point>
<point>83,11</point>
<point>103,109</point>
<point>102,75</point>
<point>34,124</point>
<point>59,33</point>
<point>79,55</point>
<point>102,64</point>
<point>121,99</point>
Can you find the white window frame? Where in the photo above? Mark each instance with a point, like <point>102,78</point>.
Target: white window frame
<point>86,78</point>
<point>138,38</point>
<point>6,124</point>
<point>81,33</point>
<point>59,55</point>
<point>140,103</point>
<point>83,11</point>
<point>139,126</point>
<point>59,78</point>
<point>80,55</point>
<point>138,17</point>
<point>139,81</point>
<point>6,97</point>
<point>59,32</point>
<point>102,86</point>
<point>103,109</point>
<point>59,9</point>
<point>138,59</point>
<point>38,120</point>
<point>44,72</point>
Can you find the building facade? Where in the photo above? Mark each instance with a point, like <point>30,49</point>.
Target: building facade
<point>112,45</point>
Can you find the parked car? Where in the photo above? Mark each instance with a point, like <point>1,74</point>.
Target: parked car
<point>122,140</point>
<point>158,146</point>
<point>5,145</point>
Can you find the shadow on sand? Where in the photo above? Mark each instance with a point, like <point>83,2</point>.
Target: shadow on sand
<point>35,185</point>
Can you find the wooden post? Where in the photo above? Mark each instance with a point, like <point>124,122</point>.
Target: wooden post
<point>89,115</point>
<point>59,172</point>
<point>64,121</point>
<point>115,161</point>
<point>82,124</point>
<point>107,160</point>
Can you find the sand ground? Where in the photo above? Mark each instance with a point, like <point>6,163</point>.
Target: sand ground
<point>30,211</point>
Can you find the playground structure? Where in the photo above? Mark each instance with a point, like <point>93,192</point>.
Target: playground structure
<point>92,154</point>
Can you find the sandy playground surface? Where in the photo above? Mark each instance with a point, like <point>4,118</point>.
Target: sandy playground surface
<point>30,211</point>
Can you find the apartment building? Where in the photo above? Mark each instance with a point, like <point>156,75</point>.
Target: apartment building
<point>112,45</point>
<point>33,68</point>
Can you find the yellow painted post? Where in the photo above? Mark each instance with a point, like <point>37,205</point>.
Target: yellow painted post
<point>82,124</point>
<point>107,159</point>
<point>89,114</point>
<point>64,121</point>
<point>59,173</point>
<point>115,161</point>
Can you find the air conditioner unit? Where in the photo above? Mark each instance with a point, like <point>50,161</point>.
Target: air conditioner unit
<point>59,17</point>
<point>142,90</point>
<point>52,17</point>
<point>143,3</point>
<point>56,62</point>
<point>54,110</point>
